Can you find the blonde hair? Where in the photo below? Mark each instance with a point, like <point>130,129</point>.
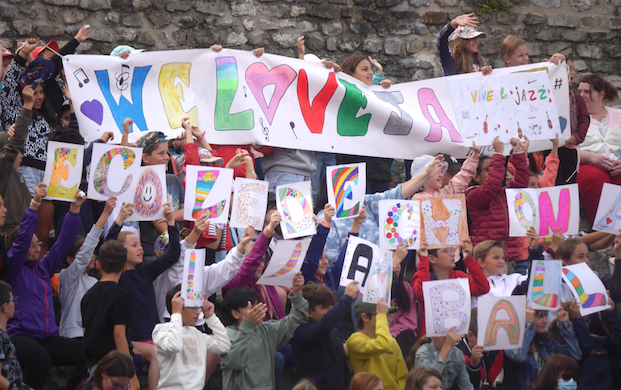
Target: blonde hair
<point>510,45</point>
<point>123,236</point>
<point>364,381</point>
<point>463,59</point>
<point>481,250</point>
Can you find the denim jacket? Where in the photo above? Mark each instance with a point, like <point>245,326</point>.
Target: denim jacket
<point>453,369</point>
<point>527,368</point>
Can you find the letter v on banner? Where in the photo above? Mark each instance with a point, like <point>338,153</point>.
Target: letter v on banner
<point>314,115</point>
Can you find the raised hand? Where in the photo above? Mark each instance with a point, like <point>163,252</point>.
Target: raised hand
<point>29,46</point>
<point>475,151</point>
<point>465,20</point>
<point>201,224</point>
<point>328,213</point>
<point>40,192</point>
<point>557,239</point>
<point>574,309</point>
<point>361,216</point>
<point>169,214</point>
<point>246,238</point>
<point>530,313</point>
<point>352,290</point>
<point>216,48</point>
<point>107,136</point>
<point>378,67</point>
<point>467,248</point>
<point>208,307</point>
<point>533,238</point>
<point>82,35</point>
<point>399,254</point>
<point>525,144</point>
<point>516,145</point>
<point>562,315</point>
<point>499,146</point>
<point>256,314</point>
<point>110,205</point>
<point>28,96</point>
<point>476,356</point>
<point>127,125</point>
<point>452,338</point>
<point>382,306</point>
<point>258,52</point>
<point>435,166</point>
<point>275,220</point>
<point>177,303</point>
<point>422,251</point>
<point>298,282</point>
<point>126,210</point>
<point>301,48</point>
<point>554,151</point>
<point>611,303</point>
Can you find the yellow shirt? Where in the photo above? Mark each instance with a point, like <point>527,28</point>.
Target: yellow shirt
<point>380,356</point>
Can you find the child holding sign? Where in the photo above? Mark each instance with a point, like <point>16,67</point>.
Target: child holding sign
<point>538,345</point>
<point>438,264</point>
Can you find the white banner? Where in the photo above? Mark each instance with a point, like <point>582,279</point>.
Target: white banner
<point>276,101</point>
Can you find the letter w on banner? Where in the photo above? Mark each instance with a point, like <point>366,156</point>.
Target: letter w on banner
<point>290,103</point>
<point>447,304</point>
<point>546,209</point>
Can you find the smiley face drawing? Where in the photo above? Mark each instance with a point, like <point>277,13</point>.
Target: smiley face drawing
<point>148,196</point>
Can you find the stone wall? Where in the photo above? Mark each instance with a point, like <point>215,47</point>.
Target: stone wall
<point>400,33</point>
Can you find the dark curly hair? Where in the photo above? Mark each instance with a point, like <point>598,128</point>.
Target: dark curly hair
<point>318,295</point>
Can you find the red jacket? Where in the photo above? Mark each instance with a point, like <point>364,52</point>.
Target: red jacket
<point>477,281</point>
<point>487,203</point>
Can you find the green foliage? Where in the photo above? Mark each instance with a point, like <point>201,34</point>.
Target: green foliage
<point>482,7</point>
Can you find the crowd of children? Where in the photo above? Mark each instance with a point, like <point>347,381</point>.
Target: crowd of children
<point>109,304</point>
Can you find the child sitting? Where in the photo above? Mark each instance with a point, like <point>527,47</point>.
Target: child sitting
<point>318,346</point>
<point>441,261</point>
<point>181,348</point>
<point>250,362</point>
<point>442,354</point>
<point>538,345</point>
<point>372,349</point>
<point>423,378</point>
<point>490,255</point>
<point>106,309</point>
<point>11,370</point>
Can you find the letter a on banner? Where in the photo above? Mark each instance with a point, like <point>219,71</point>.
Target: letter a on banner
<point>447,304</point>
<point>207,192</point>
<point>501,322</point>
<point>359,258</point>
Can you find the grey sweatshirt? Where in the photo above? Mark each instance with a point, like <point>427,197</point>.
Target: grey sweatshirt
<point>73,284</point>
<point>300,162</point>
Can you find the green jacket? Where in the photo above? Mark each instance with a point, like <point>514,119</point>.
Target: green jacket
<point>250,362</point>
<point>12,184</point>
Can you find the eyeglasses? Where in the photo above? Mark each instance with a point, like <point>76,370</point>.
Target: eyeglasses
<point>14,300</point>
<point>37,245</point>
<point>118,386</point>
<point>450,251</point>
<point>194,309</point>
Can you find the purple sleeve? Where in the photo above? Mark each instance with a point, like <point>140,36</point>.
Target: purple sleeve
<point>19,250</point>
<point>52,259</point>
<point>248,268</point>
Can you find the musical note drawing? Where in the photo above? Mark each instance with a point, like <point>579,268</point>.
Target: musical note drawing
<point>293,129</point>
<point>83,78</point>
<point>549,121</point>
<point>485,125</point>
<point>519,130</point>
<point>122,77</point>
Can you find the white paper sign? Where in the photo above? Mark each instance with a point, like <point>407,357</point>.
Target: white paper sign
<point>447,304</point>
<point>399,221</point>
<point>207,192</point>
<point>346,185</point>
<point>63,170</point>
<point>150,194</point>
<point>193,285</point>
<point>516,105</point>
<point>113,170</point>
<point>544,285</point>
<point>547,209</point>
<point>295,204</point>
<point>587,288</point>
<point>608,217</point>
<point>249,203</point>
<point>360,257</point>
<point>379,283</point>
<point>285,262</point>
<point>501,322</point>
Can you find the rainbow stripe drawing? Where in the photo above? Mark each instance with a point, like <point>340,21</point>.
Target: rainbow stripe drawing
<point>539,298</point>
<point>580,279</point>
<point>293,260</point>
<point>286,261</point>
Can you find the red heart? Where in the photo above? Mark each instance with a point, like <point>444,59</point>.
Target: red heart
<point>499,126</point>
<point>608,221</point>
<point>550,100</point>
<point>511,92</point>
<point>258,77</point>
<point>507,131</point>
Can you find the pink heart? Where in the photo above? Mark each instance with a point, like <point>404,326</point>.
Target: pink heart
<point>258,77</point>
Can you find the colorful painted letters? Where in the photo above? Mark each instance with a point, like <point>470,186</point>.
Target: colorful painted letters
<point>544,288</point>
<point>444,221</point>
<point>294,203</point>
<point>285,262</point>
<point>447,304</point>
<point>586,287</point>
<point>63,171</point>
<point>346,186</point>
<point>501,322</point>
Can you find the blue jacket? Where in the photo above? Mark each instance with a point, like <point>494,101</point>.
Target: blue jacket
<point>526,366</point>
<point>34,310</point>
<point>596,370</point>
<point>332,278</point>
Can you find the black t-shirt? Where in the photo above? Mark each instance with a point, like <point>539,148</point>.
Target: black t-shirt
<point>105,305</point>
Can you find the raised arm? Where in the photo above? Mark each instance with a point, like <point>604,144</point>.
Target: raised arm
<point>168,338</point>
<point>318,243</point>
<point>171,256</point>
<point>220,274</point>
<point>285,327</point>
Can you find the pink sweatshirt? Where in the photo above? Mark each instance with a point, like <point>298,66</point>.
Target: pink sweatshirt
<point>403,320</point>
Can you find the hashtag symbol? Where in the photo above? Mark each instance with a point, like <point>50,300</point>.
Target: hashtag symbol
<point>558,83</point>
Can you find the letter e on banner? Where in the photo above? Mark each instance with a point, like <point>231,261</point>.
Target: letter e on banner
<point>447,304</point>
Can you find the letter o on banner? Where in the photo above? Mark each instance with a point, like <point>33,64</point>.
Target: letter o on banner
<point>527,220</point>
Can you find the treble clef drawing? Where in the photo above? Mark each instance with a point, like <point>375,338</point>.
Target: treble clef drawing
<point>122,77</point>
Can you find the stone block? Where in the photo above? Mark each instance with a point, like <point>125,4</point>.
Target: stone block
<point>188,22</point>
<point>405,14</point>
<point>160,19</point>
<point>362,29</point>
<point>71,17</point>
<point>139,5</point>
<point>131,20</point>
<point>101,35</point>
<point>372,45</point>
<point>574,35</point>
<point>387,3</point>
<point>23,27</point>
<point>372,16</point>
<point>580,66</point>
<point>47,30</point>
<point>605,7</point>
<point>420,28</point>
<point>591,21</point>
<point>72,3</point>
<point>557,47</point>
<point>314,42</point>
<point>297,11</point>
<point>331,43</point>
<point>176,6</point>
<point>223,22</point>
<point>236,39</point>
<point>603,66</point>
<point>434,17</point>
<point>349,44</point>
<point>530,19</point>
<point>419,3</point>
<point>332,28</point>
<point>211,8</point>
<point>534,49</point>
<point>589,51</point>
<point>306,26</point>
<point>145,38</point>
<point>94,5</point>
<point>126,34</point>
<point>347,13</point>
<point>562,21</point>
<point>506,18</point>
<point>248,24</point>
<point>414,45</point>
<point>338,1</point>
<point>286,40</point>
<point>243,9</point>
<point>268,25</point>
<point>548,35</point>
<point>287,23</point>
<point>399,28</point>
<point>323,12</point>
<point>580,5</point>
<point>274,10</point>
<point>547,3</point>
<point>394,46</point>
<point>615,23</point>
